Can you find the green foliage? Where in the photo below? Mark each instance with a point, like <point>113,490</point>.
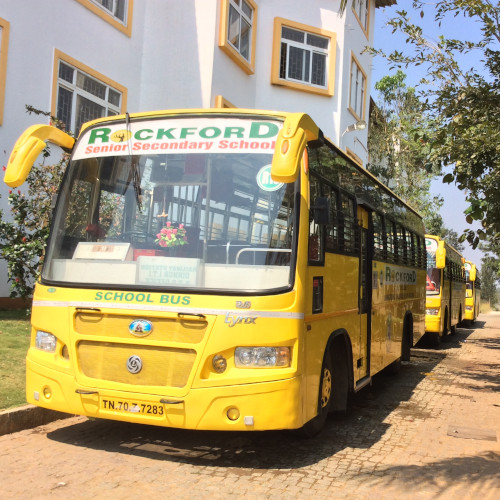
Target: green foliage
<point>24,234</point>
<point>489,279</point>
<point>398,147</point>
<point>463,103</point>
<point>14,342</point>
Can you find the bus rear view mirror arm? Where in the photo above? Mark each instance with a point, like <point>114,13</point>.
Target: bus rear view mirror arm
<point>27,148</point>
<point>298,129</point>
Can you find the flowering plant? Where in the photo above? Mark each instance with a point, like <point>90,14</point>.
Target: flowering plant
<point>171,236</point>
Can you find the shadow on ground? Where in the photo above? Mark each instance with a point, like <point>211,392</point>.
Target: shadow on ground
<point>481,472</point>
<point>362,428</point>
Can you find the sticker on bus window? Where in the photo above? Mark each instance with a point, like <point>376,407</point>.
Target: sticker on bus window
<point>265,181</point>
<point>431,245</point>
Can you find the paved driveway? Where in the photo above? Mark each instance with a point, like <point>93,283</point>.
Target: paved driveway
<point>432,431</point>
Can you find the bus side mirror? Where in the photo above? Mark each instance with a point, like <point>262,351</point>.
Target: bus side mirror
<point>441,255</point>
<point>28,147</point>
<point>292,139</point>
<point>473,273</point>
<point>321,210</point>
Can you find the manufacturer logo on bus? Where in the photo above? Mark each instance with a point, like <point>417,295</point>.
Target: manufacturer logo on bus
<point>134,364</point>
<point>140,327</point>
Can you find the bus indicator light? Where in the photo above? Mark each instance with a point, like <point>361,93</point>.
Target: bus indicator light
<point>233,414</point>
<point>219,363</point>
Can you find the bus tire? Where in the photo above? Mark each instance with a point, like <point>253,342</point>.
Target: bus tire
<point>407,340</point>
<point>433,339</point>
<point>325,397</point>
<point>446,325</point>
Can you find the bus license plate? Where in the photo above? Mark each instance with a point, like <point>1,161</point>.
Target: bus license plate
<point>152,409</point>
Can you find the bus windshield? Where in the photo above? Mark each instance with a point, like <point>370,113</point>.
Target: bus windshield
<point>186,213</point>
<point>433,280</point>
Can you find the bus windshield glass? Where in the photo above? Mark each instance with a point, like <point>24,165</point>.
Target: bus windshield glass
<point>468,290</point>
<point>177,203</point>
<point>433,280</point>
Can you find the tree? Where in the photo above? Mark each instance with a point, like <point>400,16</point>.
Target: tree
<point>463,103</point>
<point>24,234</point>
<point>398,148</point>
<point>489,280</point>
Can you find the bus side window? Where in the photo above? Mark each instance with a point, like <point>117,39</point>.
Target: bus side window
<point>389,232</point>
<point>378,236</point>
<point>400,245</point>
<point>423,249</point>
<point>332,229</point>
<point>418,251</point>
<point>316,231</point>
<point>348,226</point>
<point>410,248</point>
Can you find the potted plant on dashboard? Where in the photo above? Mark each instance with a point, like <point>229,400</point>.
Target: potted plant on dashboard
<point>172,236</point>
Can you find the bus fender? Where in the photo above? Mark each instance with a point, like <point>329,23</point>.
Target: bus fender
<point>340,346</point>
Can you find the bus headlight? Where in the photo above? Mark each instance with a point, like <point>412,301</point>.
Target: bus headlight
<point>261,357</point>
<point>432,312</point>
<point>45,341</point>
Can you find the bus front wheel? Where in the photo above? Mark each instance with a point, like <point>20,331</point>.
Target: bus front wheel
<point>325,398</point>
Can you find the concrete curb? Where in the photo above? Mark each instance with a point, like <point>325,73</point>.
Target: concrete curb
<point>27,417</point>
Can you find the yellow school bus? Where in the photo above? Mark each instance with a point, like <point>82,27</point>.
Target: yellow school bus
<point>472,292</point>
<point>445,288</point>
<point>218,270</point>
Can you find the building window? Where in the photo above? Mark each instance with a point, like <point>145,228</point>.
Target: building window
<point>116,12</point>
<point>357,92</point>
<point>361,9</point>
<point>221,102</point>
<point>82,94</point>
<point>238,26</point>
<point>116,8</point>
<point>4,48</point>
<point>303,57</point>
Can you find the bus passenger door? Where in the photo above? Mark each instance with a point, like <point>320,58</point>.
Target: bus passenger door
<point>365,296</point>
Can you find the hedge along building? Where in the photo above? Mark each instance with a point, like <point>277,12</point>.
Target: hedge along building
<point>83,59</point>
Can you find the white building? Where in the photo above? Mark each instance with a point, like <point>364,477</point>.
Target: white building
<point>82,59</point>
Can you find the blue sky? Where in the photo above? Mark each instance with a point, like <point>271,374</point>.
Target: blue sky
<point>456,27</point>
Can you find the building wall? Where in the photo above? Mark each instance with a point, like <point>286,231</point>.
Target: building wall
<point>171,59</point>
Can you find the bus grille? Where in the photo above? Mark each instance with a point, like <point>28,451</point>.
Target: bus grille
<point>161,366</point>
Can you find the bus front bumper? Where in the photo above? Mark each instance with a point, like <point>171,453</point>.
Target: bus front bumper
<point>261,406</point>
<point>432,323</point>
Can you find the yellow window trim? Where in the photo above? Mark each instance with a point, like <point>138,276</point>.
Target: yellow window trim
<point>61,56</point>
<point>354,156</point>
<point>220,102</point>
<point>4,49</point>
<point>352,111</point>
<point>247,66</point>
<point>275,69</point>
<point>126,29</point>
<point>367,30</point>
